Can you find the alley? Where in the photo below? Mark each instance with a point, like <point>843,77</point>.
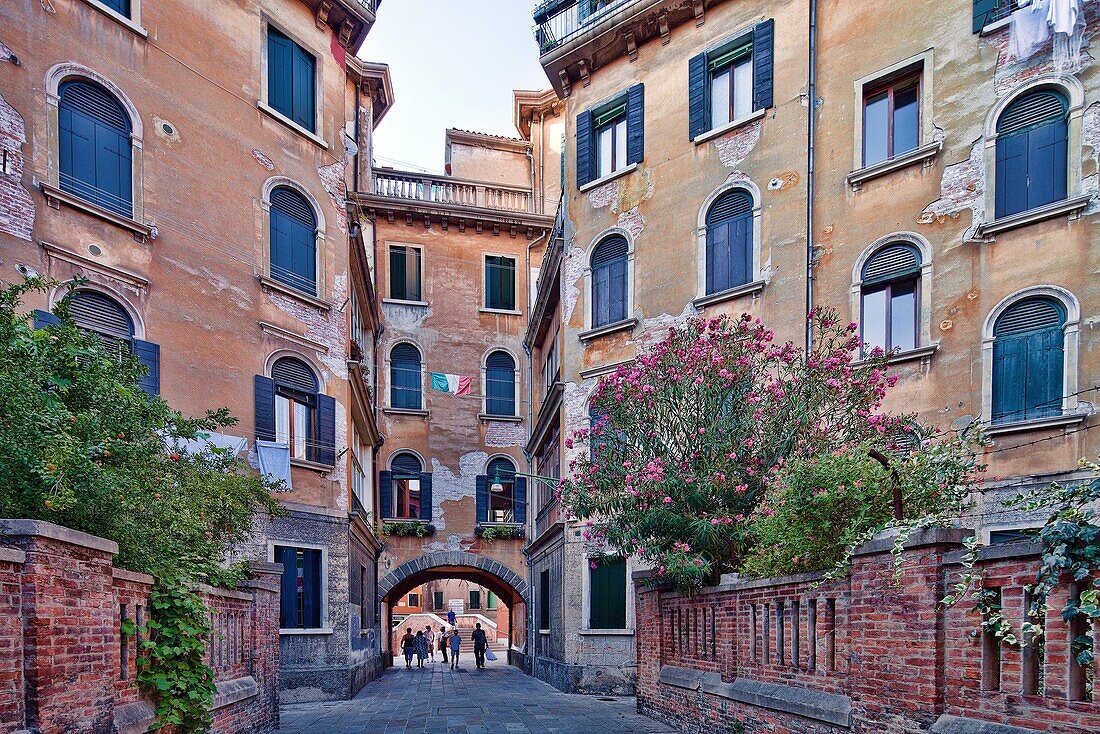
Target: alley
<point>436,700</point>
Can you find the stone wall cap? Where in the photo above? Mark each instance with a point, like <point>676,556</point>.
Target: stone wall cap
<point>134,718</point>
<point>265,567</point>
<point>883,542</point>
<point>961,725</point>
<point>223,593</point>
<point>134,576</point>
<point>43,529</point>
<point>12,555</point>
<point>1000,552</point>
<point>233,691</point>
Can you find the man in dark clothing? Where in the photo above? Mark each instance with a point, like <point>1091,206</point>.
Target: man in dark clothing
<point>478,636</point>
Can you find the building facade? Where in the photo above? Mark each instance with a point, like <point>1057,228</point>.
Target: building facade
<point>936,185</point>
<point>209,233</point>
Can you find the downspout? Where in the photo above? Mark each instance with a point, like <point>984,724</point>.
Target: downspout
<point>542,150</point>
<point>358,142</point>
<point>811,129</point>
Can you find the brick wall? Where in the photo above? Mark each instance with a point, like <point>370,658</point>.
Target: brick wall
<point>863,654</point>
<point>65,664</point>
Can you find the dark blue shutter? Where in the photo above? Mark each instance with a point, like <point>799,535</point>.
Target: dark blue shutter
<point>288,587</point>
<point>729,241</point>
<point>405,377</point>
<point>264,392</point>
<point>42,319</point>
<point>122,7</point>
<point>520,503</point>
<point>280,72</point>
<point>311,587</point>
<point>1032,136</point>
<point>426,496</point>
<point>1046,164</point>
<point>385,494</point>
<point>94,148</point>
<point>763,64</point>
<point>149,355</point>
<point>500,378</point>
<point>635,124</point>
<point>303,92</point>
<point>482,498</point>
<point>981,9</point>
<point>1028,361</point>
<point>326,430</point>
<point>698,96</point>
<point>617,288</point>
<point>1011,175</point>
<point>586,154</point>
<point>293,240</point>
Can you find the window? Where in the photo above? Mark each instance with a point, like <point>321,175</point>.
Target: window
<point>1000,537</point>
<point>122,7</point>
<point>730,82</point>
<point>729,241</point>
<point>293,240</point>
<point>1028,361</point>
<point>502,484</point>
<point>490,600</point>
<point>405,273</point>
<point>548,463</point>
<point>475,599</point>
<point>610,260</point>
<point>544,600</point>
<point>891,118</point>
<point>406,483</point>
<point>889,298</point>
<point>607,594</point>
<point>405,377</point>
<point>301,596</point>
<point>295,406</point>
<point>1032,145</point>
<point>551,365</point>
<point>291,72</point>
<point>500,283</point>
<point>95,154</point>
<point>105,317</point>
<point>987,12</point>
<point>610,137</point>
<point>437,600</point>
<point>500,384</point>
<point>414,600</point>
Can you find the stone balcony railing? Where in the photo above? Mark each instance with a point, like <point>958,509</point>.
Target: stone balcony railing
<point>446,190</point>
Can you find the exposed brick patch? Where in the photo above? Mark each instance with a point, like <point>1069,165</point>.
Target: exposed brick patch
<point>573,264</point>
<point>632,221</point>
<point>502,434</point>
<point>962,187</point>
<point>263,160</point>
<point>1011,71</point>
<point>332,178</point>
<point>735,146</point>
<point>655,329</point>
<point>450,487</point>
<point>605,195</point>
<point>16,204</point>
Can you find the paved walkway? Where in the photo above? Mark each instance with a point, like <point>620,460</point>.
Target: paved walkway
<point>498,699</point>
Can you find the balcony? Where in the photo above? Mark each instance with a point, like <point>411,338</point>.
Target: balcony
<point>449,191</point>
<point>560,21</point>
<point>350,19</point>
<point>546,287</point>
<point>1001,10</point>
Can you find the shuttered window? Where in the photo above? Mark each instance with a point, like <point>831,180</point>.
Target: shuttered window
<point>1032,148</point>
<point>405,273</point>
<point>291,75</point>
<point>991,11</point>
<point>296,407</point>
<point>293,241</point>
<point>1028,361</point>
<point>612,136</point>
<point>407,472</point>
<point>544,600</point>
<point>95,153</point>
<point>122,7</point>
<point>607,594</point>
<point>610,260</point>
<point>729,241</point>
<point>889,310</point>
<point>105,317</point>
<point>500,282</point>
<point>500,384</point>
<point>502,484</point>
<point>732,81</point>
<point>301,590</point>
<point>405,377</point>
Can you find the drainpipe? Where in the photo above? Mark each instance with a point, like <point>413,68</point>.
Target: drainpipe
<point>811,129</point>
<point>542,150</point>
<point>358,142</point>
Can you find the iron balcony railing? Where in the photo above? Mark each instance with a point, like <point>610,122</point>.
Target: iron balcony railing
<point>1001,10</point>
<point>445,190</point>
<point>559,21</point>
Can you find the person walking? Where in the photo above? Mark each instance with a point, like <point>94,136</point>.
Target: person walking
<point>451,617</point>
<point>478,636</point>
<point>420,642</point>
<point>430,634</point>
<point>408,645</point>
<point>443,642</point>
<point>456,646</point>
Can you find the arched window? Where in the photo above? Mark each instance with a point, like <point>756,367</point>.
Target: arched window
<point>1032,143</point>
<point>889,298</point>
<point>293,240</point>
<point>406,472</point>
<point>500,384</point>
<point>1028,361</point>
<point>729,241</point>
<point>295,406</point>
<point>609,281</point>
<point>105,317</point>
<point>95,158</point>
<point>502,484</point>
<point>405,377</point>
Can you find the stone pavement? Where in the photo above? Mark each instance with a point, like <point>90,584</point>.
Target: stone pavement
<point>498,699</point>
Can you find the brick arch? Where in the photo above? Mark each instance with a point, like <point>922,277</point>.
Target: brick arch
<point>448,563</point>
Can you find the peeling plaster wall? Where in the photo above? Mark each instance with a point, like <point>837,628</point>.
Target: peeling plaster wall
<point>16,205</point>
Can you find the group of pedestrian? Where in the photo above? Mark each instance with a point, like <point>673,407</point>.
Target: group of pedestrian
<point>423,644</point>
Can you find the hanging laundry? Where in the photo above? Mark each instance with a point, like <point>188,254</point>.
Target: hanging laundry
<point>274,460</point>
<point>1068,23</point>
<point>211,439</point>
<point>1029,29</point>
<point>454,384</point>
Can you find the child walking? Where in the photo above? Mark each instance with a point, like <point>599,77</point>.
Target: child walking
<point>456,646</point>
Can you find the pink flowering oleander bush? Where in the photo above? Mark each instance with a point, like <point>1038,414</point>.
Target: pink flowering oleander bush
<point>693,436</point>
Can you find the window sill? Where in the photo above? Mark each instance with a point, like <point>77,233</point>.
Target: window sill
<point>400,302</point>
<point>280,117</point>
<point>55,197</point>
<point>587,336</point>
<point>312,465</point>
<point>486,417</point>
<point>406,411</point>
<point>417,520</point>
<point>720,131</point>
<point>606,633</point>
<point>909,355</point>
<point>1035,424</point>
<point>1072,206</point>
<point>118,18</point>
<point>501,311</point>
<point>995,26</point>
<point>544,632</point>
<point>608,178</point>
<point>300,632</point>
<point>271,284</point>
<point>924,154</point>
<point>748,289</point>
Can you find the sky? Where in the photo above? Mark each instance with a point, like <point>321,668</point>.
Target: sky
<point>453,63</point>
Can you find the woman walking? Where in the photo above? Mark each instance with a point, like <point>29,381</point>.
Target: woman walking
<point>430,634</point>
<point>420,642</point>
<point>408,644</point>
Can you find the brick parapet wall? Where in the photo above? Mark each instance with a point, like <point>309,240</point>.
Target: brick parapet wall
<point>65,664</point>
<point>868,653</point>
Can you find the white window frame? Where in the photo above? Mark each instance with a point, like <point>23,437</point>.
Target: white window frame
<point>325,628</point>
<point>756,279</point>
<point>389,276</point>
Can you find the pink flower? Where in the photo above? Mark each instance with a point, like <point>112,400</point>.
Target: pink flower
<point>667,500</point>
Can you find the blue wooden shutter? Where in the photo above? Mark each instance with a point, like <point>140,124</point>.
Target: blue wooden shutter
<point>288,587</point>
<point>326,430</point>
<point>385,494</point>
<point>311,587</point>
<point>609,281</point>
<point>500,376</point>
<point>303,88</point>
<point>617,287</point>
<point>981,9</point>
<point>635,124</point>
<point>1046,164</point>
<point>1028,361</point>
<point>1010,175</point>
<point>426,496</point>
<point>482,498</point>
<point>280,72</point>
<point>264,393</point>
<point>763,64</point>
<point>149,355</point>
<point>405,377</point>
<point>293,240</point>
<point>520,501</point>
<point>42,319</point>
<point>586,153</point>
<point>94,148</point>
<point>698,97</point>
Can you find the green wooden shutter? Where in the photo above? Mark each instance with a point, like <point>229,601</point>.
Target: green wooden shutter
<point>763,52</point>
<point>482,498</point>
<point>426,496</point>
<point>586,157</point>
<point>981,9</point>
<point>698,97</point>
<point>635,124</point>
<point>385,494</point>
<point>280,72</point>
<point>607,594</point>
